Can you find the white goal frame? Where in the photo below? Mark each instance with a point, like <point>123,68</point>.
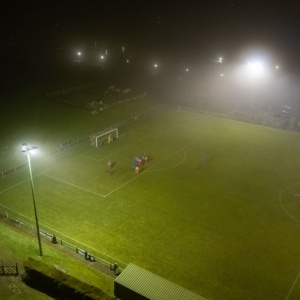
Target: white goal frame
<point>107,133</point>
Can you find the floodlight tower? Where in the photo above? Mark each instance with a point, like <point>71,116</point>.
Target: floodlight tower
<point>29,150</point>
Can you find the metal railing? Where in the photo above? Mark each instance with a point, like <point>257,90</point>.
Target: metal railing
<point>92,257</point>
<point>6,270</point>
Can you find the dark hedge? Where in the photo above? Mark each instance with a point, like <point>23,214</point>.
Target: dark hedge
<point>58,284</point>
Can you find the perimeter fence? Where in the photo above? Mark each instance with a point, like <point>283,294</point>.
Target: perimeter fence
<point>71,143</point>
<point>106,261</point>
<point>116,266</point>
<point>257,119</point>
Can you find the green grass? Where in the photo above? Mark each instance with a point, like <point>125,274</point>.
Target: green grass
<point>16,247</point>
<point>225,230</point>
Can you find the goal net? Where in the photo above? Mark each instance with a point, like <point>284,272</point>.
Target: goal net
<point>105,137</point>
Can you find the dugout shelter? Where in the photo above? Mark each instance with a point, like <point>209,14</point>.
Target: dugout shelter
<point>136,283</point>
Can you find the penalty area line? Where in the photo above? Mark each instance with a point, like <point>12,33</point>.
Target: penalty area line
<point>144,172</point>
<point>37,175</point>
<point>74,185</point>
<point>158,163</point>
<point>120,186</point>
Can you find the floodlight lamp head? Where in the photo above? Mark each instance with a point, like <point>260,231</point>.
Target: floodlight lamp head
<point>24,147</point>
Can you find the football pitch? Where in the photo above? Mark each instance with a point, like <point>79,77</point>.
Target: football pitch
<point>224,227</point>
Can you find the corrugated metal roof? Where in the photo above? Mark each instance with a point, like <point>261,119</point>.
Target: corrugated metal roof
<point>153,286</point>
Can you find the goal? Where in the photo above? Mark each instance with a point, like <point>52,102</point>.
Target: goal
<point>106,137</point>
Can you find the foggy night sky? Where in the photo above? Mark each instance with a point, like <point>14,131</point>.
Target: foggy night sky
<point>39,37</point>
<point>194,29</point>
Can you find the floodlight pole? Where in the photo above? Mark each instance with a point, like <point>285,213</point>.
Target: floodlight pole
<point>27,150</point>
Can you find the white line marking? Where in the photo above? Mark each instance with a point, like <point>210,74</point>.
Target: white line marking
<point>42,173</point>
<point>121,186</point>
<point>73,185</point>
<point>295,281</point>
<point>58,165</point>
<point>104,158</point>
<point>15,212</point>
<point>52,229</point>
<point>13,186</point>
<point>37,175</point>
<point>173,166</point>
<point>181,149</point>
<point>84,244</point>
<point>91,158</point>
<point>282,206</point>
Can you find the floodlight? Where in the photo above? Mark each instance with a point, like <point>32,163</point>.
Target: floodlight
<point>24,147</point>
<point>218,61</point>
<point>256,67</point>
<point>28,150</point>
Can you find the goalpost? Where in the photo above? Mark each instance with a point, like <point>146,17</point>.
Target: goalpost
<point>107,136</point>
